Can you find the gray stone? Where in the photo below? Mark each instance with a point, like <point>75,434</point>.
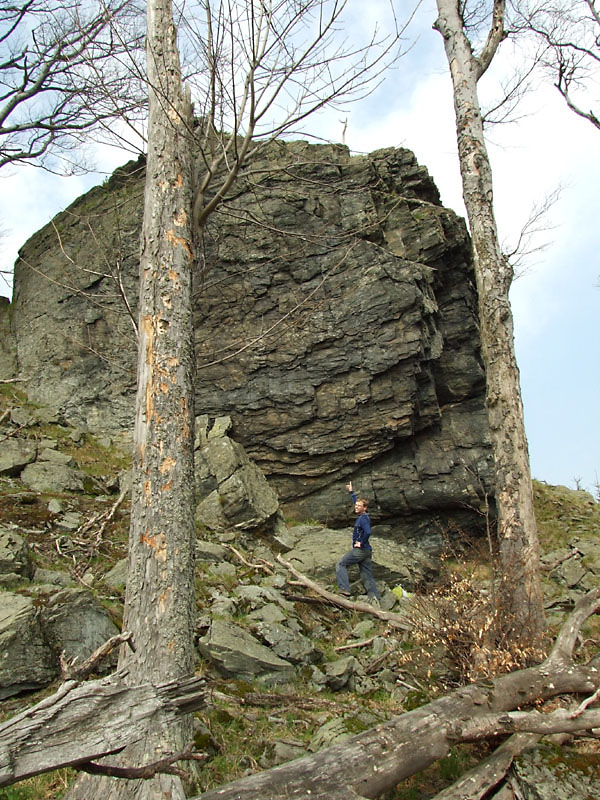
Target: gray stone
<point>557,774</point>
<point>269,613</point>
<point>222,606</point>
<point>237,654</point>
<point>46,443</point>
<point>201,431</point>
<point>388,600</point>
<point>117,576</point>
<point>281,533</point>
<point>286,750</point>
<point>222,457</point>
<point>220,428</point>
<point>248,500</point>
<point>15,454</point>
<point>14,554</point>
<point>569,572</point>
<point>21,417</point>
<point>26,660</point>
<point>276,581</point>
<point>88,578</point>
<point>589,548</point>
<point>57,457</point>
<point>78,624</point>
<point>209,513</point>
<point>339,673</point>
<point>50,577</point>
<point>224,568</point>
<point>70,521</point>
<point>234,492</point>
<point>44,476</point>
<point>363,628</point>
<point>210,551</point>
<point>257,596</point>
<point>317,551</point>
<point>396,403</point>
<point>318,678</point>
<point>288,644</point>
<point>380,645</point>
<point>55,506</point>
<point>10,580</point>
<point>47,416</point>
<point>335,731</point>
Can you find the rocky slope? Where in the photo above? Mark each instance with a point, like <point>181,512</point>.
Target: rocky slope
<point>308,673</point>
<point>335,325</point>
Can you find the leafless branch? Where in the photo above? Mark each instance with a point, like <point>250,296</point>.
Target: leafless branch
<point>65,70</point>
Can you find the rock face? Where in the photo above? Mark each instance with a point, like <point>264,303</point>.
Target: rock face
<point>8,350</point>
<point>335,324</point>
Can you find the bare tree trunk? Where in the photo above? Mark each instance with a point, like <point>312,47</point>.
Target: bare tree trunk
<point>521,594</point>
<point>159,603</point>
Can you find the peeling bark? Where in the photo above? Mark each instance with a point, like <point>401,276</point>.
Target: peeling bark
<point>159,601</point>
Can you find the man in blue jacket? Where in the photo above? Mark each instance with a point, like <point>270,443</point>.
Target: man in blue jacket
<point>361,551</point>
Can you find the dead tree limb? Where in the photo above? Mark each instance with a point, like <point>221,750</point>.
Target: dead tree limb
<point>265,566</point>
<point>353,645</point>
<point>375,761</point>
<point>83,722</point>
<point>78,672</point>
<point>164,765</point>
<point>477,782</point>
<point>395,620</point>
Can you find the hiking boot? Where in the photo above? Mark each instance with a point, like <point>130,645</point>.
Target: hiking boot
<point>344,593</point>
<point>374,602</point>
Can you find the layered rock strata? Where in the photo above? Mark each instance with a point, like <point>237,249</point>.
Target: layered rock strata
<point>335,324</point>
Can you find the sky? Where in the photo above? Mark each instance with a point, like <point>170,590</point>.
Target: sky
<point>555,300</point>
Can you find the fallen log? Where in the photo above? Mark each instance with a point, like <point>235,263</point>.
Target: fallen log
<point>84,721</point>
<point>375,761</point>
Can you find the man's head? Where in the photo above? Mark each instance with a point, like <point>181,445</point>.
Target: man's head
<point>361,505</point>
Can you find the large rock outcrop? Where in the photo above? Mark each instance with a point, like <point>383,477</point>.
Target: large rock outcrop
<point>335,325</point>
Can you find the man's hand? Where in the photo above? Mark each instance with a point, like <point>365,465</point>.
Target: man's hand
<point>357,544</point>
<point>349,486</point>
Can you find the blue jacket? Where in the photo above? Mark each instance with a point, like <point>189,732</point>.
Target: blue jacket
<point>362,528</point>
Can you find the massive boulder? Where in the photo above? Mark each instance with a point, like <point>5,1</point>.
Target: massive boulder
<point>335,323</point>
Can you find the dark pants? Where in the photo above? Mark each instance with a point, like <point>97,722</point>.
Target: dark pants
<point>362,557</point>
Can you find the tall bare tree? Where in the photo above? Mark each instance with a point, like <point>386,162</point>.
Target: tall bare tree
<point>521,595</point>
<point>260,68</point>
<point>66,70</point>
